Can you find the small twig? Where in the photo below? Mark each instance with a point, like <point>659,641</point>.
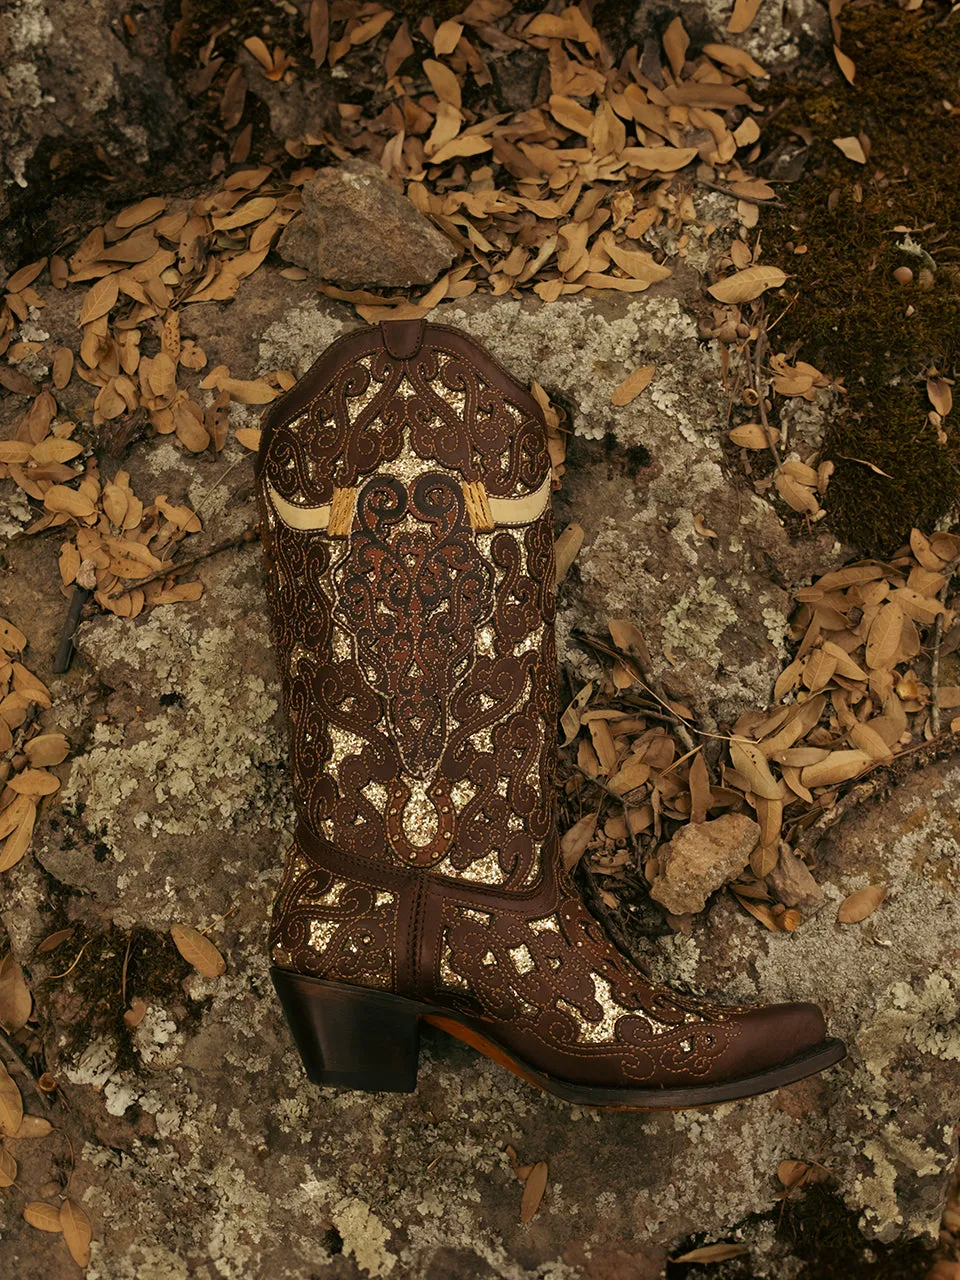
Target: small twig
<point>217,483</point>
<point>12,1049</point>
<point>64,654</point>
<point>882,775</point>
<point>248,535</point>
<point>55,976</point>
<point>642,676</point>
<point>762,343</point>
<point>123,972</point>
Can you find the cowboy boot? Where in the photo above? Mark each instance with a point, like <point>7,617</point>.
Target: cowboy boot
<point>404,491</point>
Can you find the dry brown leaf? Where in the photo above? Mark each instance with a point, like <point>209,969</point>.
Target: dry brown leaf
<point>792,1172</point>
<point>883,642</point>
<point>101,297</point>
<point>744,286</point>
<point>136,1013</point>
<point>675,45</point>
<point>12,638</point>
<point>18,842</point>
<point>62,367</point>
<point>712,1253</point>
<point>75,1226</point>
<point>533,1189</point>
<point>16,1002</point>
<point>25,276</point>
<point>60,498</point>
<point>941,395</point>
<point>744,12</point>
<point>749,760</point>
<point>663,159</point>
<point>135,215</point>
<point>574,843</point>
<point>249,437</point>
<point>8,1168</point>
<point>857,906</point>
<point>852,148</point>
<point>319,27</point>
<point>566,548</point>
<point>799,497</point>
<point>753,435</point>
<point>11,1104</point>
<point>47,749</point>
<point>571,114</point>
<point>839,766</point>
<point>43,1216</point>
<point>633,384</point>
<point>447,37</point>
<point>845,63</point>
<point>445,83</point>
<point>198,950</point>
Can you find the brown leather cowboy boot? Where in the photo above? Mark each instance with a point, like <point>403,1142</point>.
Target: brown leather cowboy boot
<point>404,486</point>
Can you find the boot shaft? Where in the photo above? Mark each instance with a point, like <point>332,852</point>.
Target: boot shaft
<point>404,490</point>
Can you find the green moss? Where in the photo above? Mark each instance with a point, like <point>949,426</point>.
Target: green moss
<point>850,317</point>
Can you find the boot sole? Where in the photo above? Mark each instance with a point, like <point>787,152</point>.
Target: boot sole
<point>368,1040</point>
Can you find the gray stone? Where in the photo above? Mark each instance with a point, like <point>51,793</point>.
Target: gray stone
<point>356,228</point>
<point>68,82</point>
<point>701,858</point>
<point>793,882</point>
<point>203,1151</point>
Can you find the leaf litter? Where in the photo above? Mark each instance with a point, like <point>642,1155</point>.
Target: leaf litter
<point>554,199</point>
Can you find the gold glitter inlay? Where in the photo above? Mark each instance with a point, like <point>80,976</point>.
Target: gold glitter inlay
<point>532,641</point>
<point>448,975</point>
<point>486,637</point>
<point>321,933</point>
<point>461,793</point>
<point>455,399</point>
<point>591,1031</point>
<point>385,899</point>
<point>376,793</point>
<point>419,818</point>
<point>483,740</point>
<point>489,959</point>
<point>485,870</point>
<point>330,896</point>
<point>357,404</point>
<point>522,959</point>
<point>345,745</point>
<point>282,956</point>
<point>471,913</point>
<point>546,924</point>
<point>341,645</point>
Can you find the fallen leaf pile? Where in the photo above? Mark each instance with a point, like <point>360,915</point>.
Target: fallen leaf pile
<point>559,196</point>
<point>873,640</point>
<point>578,191</point>
<point>26,752</point>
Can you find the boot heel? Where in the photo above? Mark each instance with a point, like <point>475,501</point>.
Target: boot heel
<point>349,1036</point>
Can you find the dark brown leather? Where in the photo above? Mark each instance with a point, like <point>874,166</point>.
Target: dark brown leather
<point>416,652</point>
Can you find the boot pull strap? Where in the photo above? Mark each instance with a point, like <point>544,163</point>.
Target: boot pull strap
<point>342,510</point>
<point>402,338</point>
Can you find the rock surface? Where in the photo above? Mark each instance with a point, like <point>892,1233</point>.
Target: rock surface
<point>71,79</point>
<point>356,228</point>
<point>701,858</point>
<point>202,1150</point>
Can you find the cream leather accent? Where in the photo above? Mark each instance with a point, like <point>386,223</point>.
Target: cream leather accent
<point>299,517</point>
<point>521,510</point>
<point>504,511</point>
